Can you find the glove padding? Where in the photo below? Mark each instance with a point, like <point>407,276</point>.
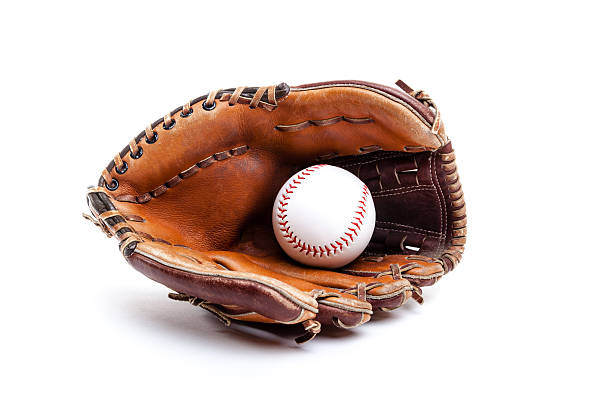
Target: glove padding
<point>190,200</point>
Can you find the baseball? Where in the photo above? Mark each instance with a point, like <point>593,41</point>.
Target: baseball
<point>323,216</point>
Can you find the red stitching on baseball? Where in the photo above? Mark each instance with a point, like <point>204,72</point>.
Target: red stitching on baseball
<point>336,245</point>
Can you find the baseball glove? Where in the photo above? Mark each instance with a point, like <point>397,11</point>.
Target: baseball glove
<point>190,200</point>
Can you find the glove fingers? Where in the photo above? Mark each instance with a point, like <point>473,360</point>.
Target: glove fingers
<point>224,277</point>
<point>335,306</point>
<point>192,273</point>
<point>420,270</point>
<point>384,292</point>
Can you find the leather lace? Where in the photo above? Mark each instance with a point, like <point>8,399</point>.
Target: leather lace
<point>232,96</point>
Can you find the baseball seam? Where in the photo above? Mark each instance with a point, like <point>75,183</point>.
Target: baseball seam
<point>333,247</point>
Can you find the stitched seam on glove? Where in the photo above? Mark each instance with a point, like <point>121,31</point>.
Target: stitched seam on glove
<point>322,122</point>
<point>254,97</point>
<point>161,189</point>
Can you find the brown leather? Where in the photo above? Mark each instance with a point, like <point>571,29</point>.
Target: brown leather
<point>190,199</point>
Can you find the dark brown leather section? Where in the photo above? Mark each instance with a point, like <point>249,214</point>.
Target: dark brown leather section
<point>99,203</point>
<point>390,303</point>
<point>250,295</point>
<point>411,209</point>
<point>327,315</point>
<point>441,185</point>
<point>418,106</point>
<point>220,202</point>
<point>450,188</point>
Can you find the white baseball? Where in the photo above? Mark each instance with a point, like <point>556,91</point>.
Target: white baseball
<point>324,216</point>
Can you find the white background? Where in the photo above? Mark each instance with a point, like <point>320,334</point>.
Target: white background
<point>524,90</point>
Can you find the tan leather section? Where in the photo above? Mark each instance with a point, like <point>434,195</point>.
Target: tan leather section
<point>205,133</point>
<point>243,185</point>
<point>239,189</point>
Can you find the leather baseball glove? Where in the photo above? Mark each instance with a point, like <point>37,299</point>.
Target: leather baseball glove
<point>190,200</point>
